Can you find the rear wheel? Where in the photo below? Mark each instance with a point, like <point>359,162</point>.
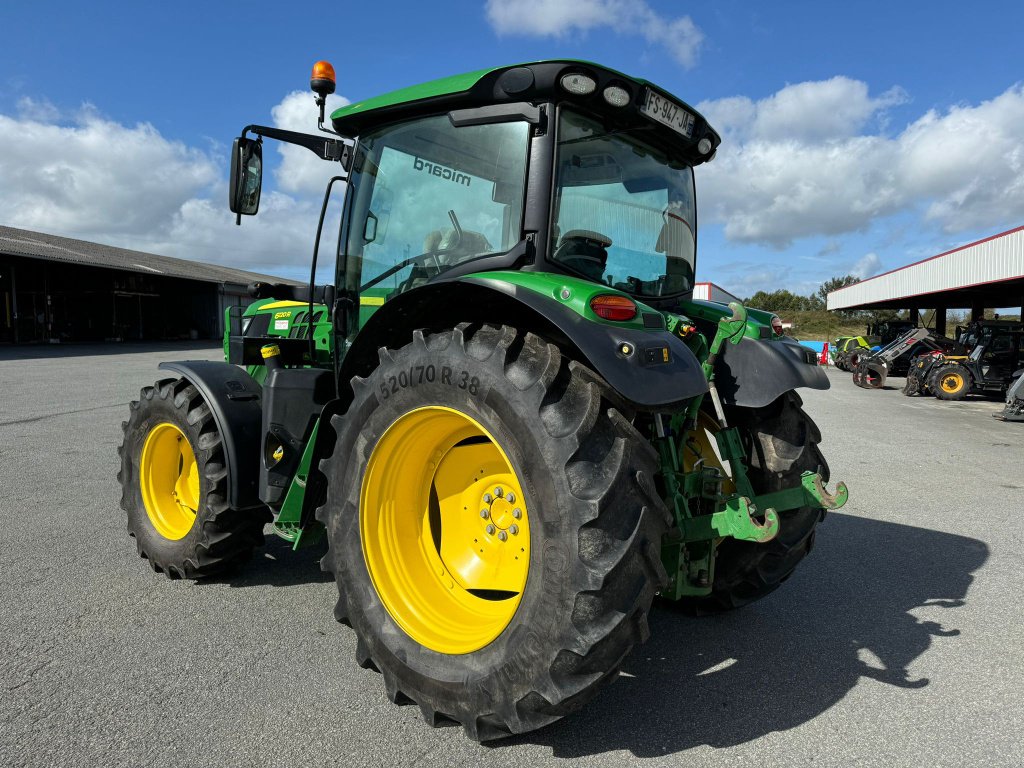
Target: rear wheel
<point>493,528</point>
<point>782,443</point>
<point>174,486</point>
<point>950,382</point>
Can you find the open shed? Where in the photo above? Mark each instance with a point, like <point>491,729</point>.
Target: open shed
<point>59,289</point>
<point>982,275</point>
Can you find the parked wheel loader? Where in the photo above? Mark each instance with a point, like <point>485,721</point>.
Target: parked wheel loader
<point>986,367</point>
<point>871,370</point>
<point>506,414</point>
<point>1014,409</point>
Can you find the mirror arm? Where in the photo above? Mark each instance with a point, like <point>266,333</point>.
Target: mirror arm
<point>325,149</point>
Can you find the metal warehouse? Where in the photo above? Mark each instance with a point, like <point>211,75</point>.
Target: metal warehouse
<point>58,289</point>
<point>983,275</point>
<point>712,292</point>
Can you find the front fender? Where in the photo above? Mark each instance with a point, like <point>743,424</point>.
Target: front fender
<point>234,398</point>
<point>755,372</point>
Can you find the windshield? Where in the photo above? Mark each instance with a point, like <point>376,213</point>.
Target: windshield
<point>427,196</point>
<point>624,211</point>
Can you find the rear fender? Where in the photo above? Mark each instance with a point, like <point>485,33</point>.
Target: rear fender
<point>642,378</point>
<point>234,399</point>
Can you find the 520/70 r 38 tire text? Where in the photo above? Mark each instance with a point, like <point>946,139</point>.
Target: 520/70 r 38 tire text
<point>493,528</point>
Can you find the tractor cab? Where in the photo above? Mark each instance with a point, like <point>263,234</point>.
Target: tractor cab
<point>622,210</point>
<point>561,167</point>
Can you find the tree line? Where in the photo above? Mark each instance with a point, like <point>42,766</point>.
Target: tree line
<point>783,302</point>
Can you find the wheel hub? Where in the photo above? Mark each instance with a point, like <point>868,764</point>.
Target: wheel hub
<point>502,513</point>
<point>169,481</point>
<point>446,540</point>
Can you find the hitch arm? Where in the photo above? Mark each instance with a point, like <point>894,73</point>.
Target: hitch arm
<point>810,493</point>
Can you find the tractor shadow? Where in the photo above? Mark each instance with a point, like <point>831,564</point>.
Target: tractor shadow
<point>276,565</point>
<point>727,679</point>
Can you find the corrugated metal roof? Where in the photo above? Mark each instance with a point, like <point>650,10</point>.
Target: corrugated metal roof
<point>38,245</point>
<point>712,292</point>
<point>995,259</point>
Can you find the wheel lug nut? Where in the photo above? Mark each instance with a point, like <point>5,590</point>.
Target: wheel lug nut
<point>513,529</point>
<point>510,497</point>
<point>484,513</point>
<point>517,513</point>
<point>502,535</point>
<point>499,492</point>
<point>491,529</point>
<point>488,498</point>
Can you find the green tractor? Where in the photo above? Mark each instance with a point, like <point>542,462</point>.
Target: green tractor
<point>506,415</point>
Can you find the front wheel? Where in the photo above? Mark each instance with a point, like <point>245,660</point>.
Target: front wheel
<point>950,382</point>
<point>174,486</point>
<point>493,528</point>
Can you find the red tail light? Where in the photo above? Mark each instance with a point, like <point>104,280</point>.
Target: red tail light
<point>612,307</point>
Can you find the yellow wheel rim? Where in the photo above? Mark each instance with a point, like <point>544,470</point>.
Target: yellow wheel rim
<point>951,383</point>
<point>444,530</point>
<point>169,480</point>
<point>702,446</point>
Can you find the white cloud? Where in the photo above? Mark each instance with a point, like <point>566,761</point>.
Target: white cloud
<point>866,266</point>
<point>41,110</point>
<point>301,171</point>
<point>808,112</point>
<point>95,175</point>
<point>129,186</point>
<point>557,18</point>
<point>815,159</point>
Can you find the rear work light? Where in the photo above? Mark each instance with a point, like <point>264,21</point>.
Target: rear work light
<point>616,96</point>
<point>578,84</point>
<point>613,307</point>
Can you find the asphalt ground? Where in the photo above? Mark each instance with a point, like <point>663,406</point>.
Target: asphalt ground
<point>897,642</point>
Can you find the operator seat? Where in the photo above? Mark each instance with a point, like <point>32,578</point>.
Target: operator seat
<point>585,251</point>
<point>448,248</point>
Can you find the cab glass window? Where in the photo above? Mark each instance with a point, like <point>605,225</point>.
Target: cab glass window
<point>624,210</point>
<point>427,196</point>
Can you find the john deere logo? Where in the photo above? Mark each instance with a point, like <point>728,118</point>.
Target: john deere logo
<point>439,170</point>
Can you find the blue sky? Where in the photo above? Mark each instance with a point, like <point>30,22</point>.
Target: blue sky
<point>858,137</point>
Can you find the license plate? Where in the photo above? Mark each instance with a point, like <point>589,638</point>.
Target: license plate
<point>667,112</point>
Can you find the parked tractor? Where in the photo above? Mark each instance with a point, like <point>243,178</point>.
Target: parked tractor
<point>845,346</point>
<point>506,414</point>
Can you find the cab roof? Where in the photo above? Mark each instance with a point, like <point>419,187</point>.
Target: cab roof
<point>531,81</point>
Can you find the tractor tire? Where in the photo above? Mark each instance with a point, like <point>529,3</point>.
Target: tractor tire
<point>782,443</point>
<point>174,486</point>
<point>912,386</point>
<point>950,382</point>
<point>468,460</point>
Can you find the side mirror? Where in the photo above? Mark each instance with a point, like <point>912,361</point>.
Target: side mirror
<point>246,176</point>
